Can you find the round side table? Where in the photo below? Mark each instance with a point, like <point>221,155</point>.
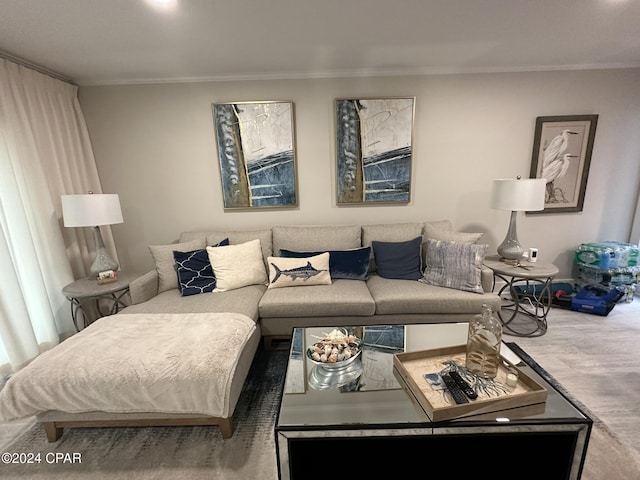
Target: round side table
<point>88,289</point>
<point>526,293</point>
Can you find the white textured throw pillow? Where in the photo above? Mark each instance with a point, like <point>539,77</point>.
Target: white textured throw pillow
<point>237,266</point>
<point>296,272</point>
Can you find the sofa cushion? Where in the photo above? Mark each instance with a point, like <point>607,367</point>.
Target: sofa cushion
<point>166,265</point>
<point>411,297</point>
<point>298,272</point>
<point>195,274</point>
<point>237,266</point>
<point>444,231</point>
<point>454,265</point>
<point>235,237</point>
<point>439,225</point>
<point>242,300</point>
<point>350,264</point>
<point>389,232</point>
<point>342,297</point>
<point>398,260</point>
<point>316,237</point>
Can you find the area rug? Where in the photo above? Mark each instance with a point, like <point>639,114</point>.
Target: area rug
<point>190,453</point>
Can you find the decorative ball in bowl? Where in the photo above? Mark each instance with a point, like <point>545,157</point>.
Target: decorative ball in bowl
<point>336,350</point>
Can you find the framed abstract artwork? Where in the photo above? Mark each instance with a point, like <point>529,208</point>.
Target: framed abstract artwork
<point>256,154</point>
<point>562,155</point>
<point>374,139</point>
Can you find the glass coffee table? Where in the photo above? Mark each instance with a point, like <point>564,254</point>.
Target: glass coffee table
<point>363,419</point>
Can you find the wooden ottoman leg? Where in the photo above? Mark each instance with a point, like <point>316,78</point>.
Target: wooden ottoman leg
<point>226,427</point>
<point>53,432</point>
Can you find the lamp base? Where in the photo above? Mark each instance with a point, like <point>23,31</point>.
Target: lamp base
<point>102,261</point>
<point>510,248</point>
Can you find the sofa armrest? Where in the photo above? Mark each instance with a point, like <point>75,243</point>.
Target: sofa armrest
<point>486,279</point>
<point>144,288</point>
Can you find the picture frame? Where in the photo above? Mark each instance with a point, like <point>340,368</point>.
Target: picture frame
<point>562,149</point>
<point>374,150</point>
<point>256,154</point>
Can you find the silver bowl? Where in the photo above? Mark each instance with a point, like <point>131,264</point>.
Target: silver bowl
<point>325,375</point>
<point>336,366</point>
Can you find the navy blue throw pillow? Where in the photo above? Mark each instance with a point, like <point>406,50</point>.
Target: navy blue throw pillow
<point>399,260</point>
<point>195,273</point>
<point>349,264</point>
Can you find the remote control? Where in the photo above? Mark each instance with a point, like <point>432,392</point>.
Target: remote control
<point>457,394</point>
<point>464,386</point>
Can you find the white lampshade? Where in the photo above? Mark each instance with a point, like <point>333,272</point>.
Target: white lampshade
<point>518,195</point>
<point>91,210</point>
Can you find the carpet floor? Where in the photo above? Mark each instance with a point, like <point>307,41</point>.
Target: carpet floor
<point>193,453</point>
<point>180,453</point>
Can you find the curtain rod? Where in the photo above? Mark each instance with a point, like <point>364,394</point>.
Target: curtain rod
<point>33,66</point>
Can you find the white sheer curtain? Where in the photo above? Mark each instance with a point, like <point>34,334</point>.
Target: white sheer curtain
<point>44,153</point>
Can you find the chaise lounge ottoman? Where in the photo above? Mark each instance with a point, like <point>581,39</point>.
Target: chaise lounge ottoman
<point>138,370</point>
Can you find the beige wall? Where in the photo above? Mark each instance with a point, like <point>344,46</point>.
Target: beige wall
<point>154,145</point>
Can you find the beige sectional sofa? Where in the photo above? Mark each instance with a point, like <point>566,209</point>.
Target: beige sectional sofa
<point>376,300</point>
<point>266,282</point>
<point>419,272</point>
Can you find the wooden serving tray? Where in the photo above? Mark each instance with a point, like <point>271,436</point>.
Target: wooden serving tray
<point>411,367</point>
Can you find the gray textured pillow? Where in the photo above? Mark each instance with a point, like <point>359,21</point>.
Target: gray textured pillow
<point>166,264</point>
<point>455,265</point>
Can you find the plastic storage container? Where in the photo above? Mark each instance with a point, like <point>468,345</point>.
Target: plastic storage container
<point>624,254</point>
<point>606,255</point>
<point>594,255</point>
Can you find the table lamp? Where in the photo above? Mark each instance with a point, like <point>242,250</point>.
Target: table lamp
<point>516,195</point>
<point>93,210</point>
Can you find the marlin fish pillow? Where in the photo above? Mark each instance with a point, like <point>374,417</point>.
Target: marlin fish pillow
<point>297,272</point>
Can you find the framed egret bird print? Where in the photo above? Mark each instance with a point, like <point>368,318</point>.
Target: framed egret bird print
<point>562,149</point>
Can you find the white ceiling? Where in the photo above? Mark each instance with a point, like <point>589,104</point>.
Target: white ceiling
<point>128,41</point>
